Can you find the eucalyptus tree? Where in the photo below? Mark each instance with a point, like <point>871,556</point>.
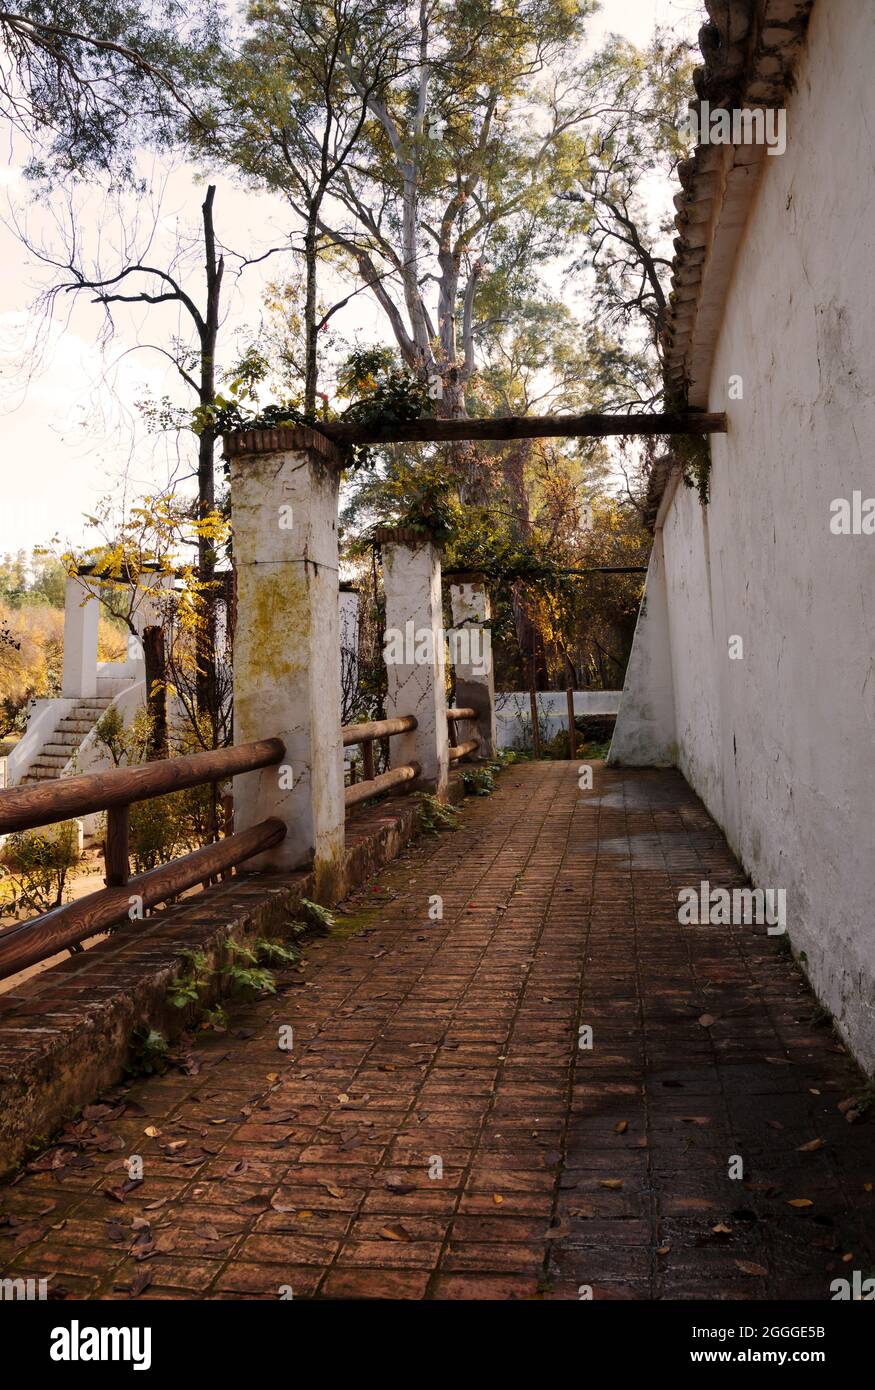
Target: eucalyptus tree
<point>87,83</point>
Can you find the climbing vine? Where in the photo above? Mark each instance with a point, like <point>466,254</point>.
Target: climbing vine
<point>381,393</point>
<point>694,452</point>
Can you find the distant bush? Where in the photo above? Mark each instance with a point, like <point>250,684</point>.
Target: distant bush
<point>35,867</point>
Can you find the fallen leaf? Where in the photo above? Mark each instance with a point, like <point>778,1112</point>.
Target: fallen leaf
<point>583,1212</point>
<point>343,1098</point>
<point>278,1205</point>
<point>721,1230</point>
<point>612,1183</point>
<point>799,1202</point>
<point>332,1190</point>
<point>151,1131</point>
<point>748,1267</point>
<point>394,1233</point>
<point>621,1126</point>
<point>811,1147</point>
<point>559,1231</point>
<point>497,1198</point>
<point>663,1249</point>
<point>706,1020</point>
<point>140,1283</point>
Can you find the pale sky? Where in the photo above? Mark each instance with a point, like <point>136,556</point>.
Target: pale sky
<point>71,432</point>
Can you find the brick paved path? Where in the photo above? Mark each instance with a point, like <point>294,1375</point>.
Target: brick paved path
<point>457,1040</point>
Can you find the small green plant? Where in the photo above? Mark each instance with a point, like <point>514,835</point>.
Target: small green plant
<point>479,781</point>
<point>196,976</point>
<point>216,1018</point>
<point>36,865</point>
<point>434,815</point>
<point>317,918</point>
<point>244,973</point>
<point>275,953</point>
<point>148,1052</point>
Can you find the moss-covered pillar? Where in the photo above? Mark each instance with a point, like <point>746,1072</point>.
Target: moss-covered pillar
<point>414,653</point>
<point>284,486</point>
<point>471,653</point>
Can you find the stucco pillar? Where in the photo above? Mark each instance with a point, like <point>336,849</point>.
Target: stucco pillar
<point>81,619</point>
<point>471,652</point>
<point>348,601</point>
<point>414,653</point>
<point>287,644</point>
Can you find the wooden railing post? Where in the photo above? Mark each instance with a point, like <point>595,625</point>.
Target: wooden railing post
<point>284,485</point>
<point>116,852</point>
<point>414,653</point>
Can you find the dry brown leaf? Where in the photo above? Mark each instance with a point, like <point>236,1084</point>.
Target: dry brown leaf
<point>497,1198</point>
<point>612,1183</point>
<point>811,1147</point>
<point>394,1233</point>
<point>621,1126</point>
<point>721,1230</point>
<point>748,1267</point>
<point>151,1131</point>
<point>799,1202</point>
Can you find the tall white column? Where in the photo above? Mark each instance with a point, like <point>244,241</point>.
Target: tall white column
<point>81,619</point>
<point>471,651</point>
<point>414,653</point>
<point>284,487</point>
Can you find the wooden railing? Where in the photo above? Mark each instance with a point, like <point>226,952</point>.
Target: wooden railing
<point>467,746</point>
<point>372,783</point>
<point>114,791</point>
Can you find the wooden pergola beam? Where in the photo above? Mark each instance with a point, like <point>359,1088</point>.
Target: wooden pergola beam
<point>525,427</point>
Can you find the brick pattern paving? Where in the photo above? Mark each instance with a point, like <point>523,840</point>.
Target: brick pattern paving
<point>437,1131</point>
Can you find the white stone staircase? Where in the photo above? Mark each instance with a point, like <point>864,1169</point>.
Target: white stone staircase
<point>65,740</point>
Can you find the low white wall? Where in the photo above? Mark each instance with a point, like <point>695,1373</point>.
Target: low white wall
<point>513,713</point>
<point>43,720</point>
<point>779,744</point>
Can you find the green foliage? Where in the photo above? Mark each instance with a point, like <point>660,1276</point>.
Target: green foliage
<point>694,452</point>
<point>36,865</point>
<point>479,781</point>
<point>318,919</point>
<point>243,969</point>
<point>215,1018</point>
<point>435,816</point>
<point>275,953</point>
<point>382,393</point>
<point>148,1053</point>
<point>187,986</point>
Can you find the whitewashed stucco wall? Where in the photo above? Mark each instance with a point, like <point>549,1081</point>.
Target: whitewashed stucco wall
<point>781,745</point>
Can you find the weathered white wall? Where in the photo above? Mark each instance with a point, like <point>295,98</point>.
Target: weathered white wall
<point>781,745</point>
<point>644,734</point>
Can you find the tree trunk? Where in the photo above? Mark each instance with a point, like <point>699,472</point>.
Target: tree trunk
<point>156,690</point>
<point>310,365</point>
<point>206,681</point>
